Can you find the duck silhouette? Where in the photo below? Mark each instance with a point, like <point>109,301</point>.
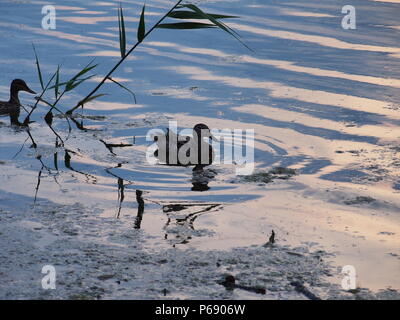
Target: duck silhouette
<point>12,107</point>
<point>191,151</point>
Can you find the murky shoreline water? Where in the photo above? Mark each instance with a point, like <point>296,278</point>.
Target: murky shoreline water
<point>322,100</point>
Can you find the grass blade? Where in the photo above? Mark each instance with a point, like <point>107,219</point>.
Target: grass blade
<point>82,102</point>
<point>142,27</point>
<point>123,87</point>
<point>84,70</point>
<point>73,84</point>
<point>52,106</point>
<point>122,34</point>
<point>57,84</point>
<point>206,16</point>
<point>185,25</point>
<point>67,82</point>
<point>38,67</point>
<point>216,22</point>
<point>184,14</point>
<point>75,81</point>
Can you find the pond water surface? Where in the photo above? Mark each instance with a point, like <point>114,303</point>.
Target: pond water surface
<point>321,99</point>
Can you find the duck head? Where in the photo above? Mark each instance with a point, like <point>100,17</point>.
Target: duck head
<point>203,130</point>
<point>20,85</point>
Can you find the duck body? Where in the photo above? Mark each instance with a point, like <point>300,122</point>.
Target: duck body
<point>191,151</point>
<point>12,106</point>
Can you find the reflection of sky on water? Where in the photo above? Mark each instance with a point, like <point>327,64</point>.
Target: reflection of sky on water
<point>309,90</point>
<point>315,74</point>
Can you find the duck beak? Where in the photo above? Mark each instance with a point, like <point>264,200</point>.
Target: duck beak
<point>29,90</point>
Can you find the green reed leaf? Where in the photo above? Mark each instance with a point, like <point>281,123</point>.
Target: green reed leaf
<point>82,102</point>
<point>219,24</point>
<point>72,84</point>
<point>184,14</point>
<point>123,87</point>
<point>122,34</point>
<point>76,81</point>
<point>185,25</point>
<point>38,67</point>
<point>86,69</point>
<point>142,26</point>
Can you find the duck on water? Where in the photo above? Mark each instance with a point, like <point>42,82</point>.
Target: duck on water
<point>191,151</point>
<point>12,107</point>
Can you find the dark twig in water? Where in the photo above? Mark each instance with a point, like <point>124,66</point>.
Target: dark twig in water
<point>189,219</point>
<point>121,187</point>
<point>67,162</point>
<point>271,240</point>
<point>80,126</point>
<point>230,284</point>
<point>22,147</point>
<point>140,212</point>
<point>121,195</point>
<point>38,184</point>
<point>299,287</point>
<point>34,145</point>
<point>119,165</point>
<point>110,146</point>
<point>39,158</point>
<point>272,237</point>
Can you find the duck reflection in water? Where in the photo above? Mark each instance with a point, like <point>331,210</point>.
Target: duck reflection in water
<point>201,178</point>
<point>179,228</point>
